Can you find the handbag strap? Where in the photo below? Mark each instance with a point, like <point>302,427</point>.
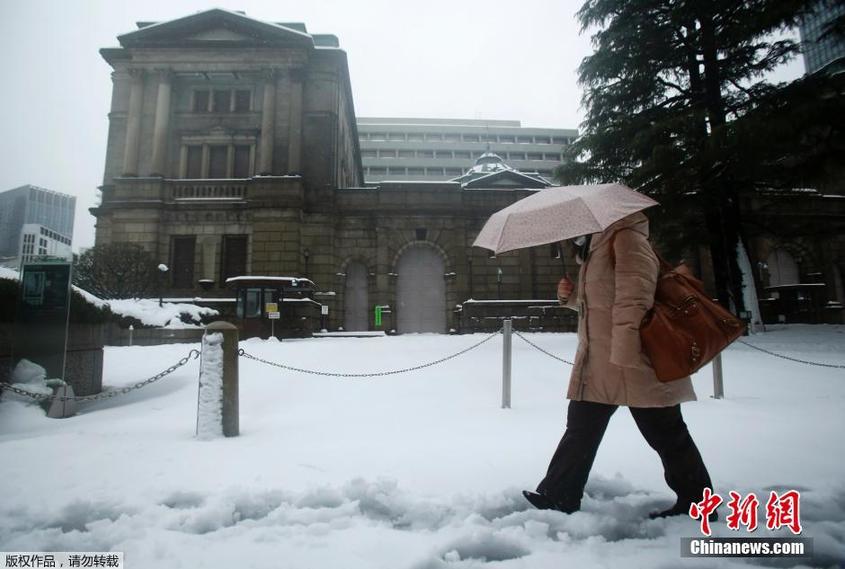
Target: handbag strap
<point>665,266</point>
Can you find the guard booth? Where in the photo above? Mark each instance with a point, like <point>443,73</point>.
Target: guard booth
<point>283,307</point>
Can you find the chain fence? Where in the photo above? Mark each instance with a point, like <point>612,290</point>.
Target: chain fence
<point>195,354</point>
<point>535,346</point>
<point>805,362</point>
<point>244,354</point>
<point>765,351</point>
<point>192,355</point>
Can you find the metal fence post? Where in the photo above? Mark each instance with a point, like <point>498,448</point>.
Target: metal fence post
<point>506,364</point>
<point>230,376</point>
<point>718,382</point>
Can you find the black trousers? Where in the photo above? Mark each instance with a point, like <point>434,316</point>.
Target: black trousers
<point>664,430</point>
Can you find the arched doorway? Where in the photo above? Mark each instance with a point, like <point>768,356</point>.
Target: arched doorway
<point>355,302</point>
<point>420,291</point>
<point>783,269</point>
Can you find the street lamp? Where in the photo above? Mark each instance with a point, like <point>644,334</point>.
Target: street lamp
<point>162,268</point>
<point>499,282</point>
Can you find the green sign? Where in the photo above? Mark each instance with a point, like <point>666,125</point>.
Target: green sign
<point>378,315</point>
<point>42,316</point>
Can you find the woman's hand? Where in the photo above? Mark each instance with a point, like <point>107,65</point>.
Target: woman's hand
<point>564,289</point>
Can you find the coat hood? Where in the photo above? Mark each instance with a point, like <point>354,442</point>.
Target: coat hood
<point>636,221</point>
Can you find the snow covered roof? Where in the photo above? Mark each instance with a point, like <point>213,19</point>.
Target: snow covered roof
<point>291,281</point>
<point>491,171</point>
<point>223,26</point>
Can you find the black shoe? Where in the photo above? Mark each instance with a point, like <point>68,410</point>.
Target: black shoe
<point>680,509</point>
<point>543,502</point>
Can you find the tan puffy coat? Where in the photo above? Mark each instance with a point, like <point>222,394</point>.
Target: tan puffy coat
<point>610,366</point>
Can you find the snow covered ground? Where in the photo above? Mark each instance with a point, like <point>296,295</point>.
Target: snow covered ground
<point>421,470</point>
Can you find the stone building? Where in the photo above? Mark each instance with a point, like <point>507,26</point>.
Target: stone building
<point>233,150</point>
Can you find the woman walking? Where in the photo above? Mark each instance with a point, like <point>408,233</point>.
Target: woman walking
<point>615,289</point>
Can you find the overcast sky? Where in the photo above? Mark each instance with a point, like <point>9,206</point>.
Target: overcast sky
<point>438,58</point>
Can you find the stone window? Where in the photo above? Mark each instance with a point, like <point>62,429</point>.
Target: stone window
<point>516,155</point>
<point>415,137</point>
<point>406,154</point>
<point>193,167</point>
<point>369,154</point>
<point>507,139</point>
<point>470,138</point>
<point>416,171</point>
<point>241,165</point>
<point>454,172</point>
<point>182,251</point>
<point>560,140</point>
<point>425,154</point>
<point>396,171</point>
<point>524,139</point>
<point>387,153</point>
<point>243,101</point>
<point>452,137</point>
<point>434,136</point>
<point>443,154</point>
<point>462,155</point>
<point>396,136</point>
<point>535,156</point>
<point>542,140</point>
<point>223,100</point>
<point>218,160</point>
<point>201,102</point>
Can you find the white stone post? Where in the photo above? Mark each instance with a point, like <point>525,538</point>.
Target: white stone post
<point>718,381</point>
<point>217,399</point>
<point>506,363</point>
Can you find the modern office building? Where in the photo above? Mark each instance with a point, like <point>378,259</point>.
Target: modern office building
<point>39,241</point>
<point>822,45</point>
<point>444,149</point>
<point>34,206</point>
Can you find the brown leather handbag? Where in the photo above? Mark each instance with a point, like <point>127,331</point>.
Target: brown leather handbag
<point>685,329</point>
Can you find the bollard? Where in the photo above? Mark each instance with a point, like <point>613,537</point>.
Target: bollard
<point>131,332</point>
<point>506,364</point>
<point>718,383</point>
<point>229,408</point>
<point>62,409</point>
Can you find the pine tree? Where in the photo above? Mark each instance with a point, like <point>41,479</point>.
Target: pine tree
<point>666,82</point>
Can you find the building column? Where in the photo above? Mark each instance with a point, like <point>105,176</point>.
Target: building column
<point>162,123</point>
<point>268,124</point>
<point>295,122</point>
<point>133,123</point>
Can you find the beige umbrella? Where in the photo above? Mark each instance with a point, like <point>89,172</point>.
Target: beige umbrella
<point>558,213</point>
